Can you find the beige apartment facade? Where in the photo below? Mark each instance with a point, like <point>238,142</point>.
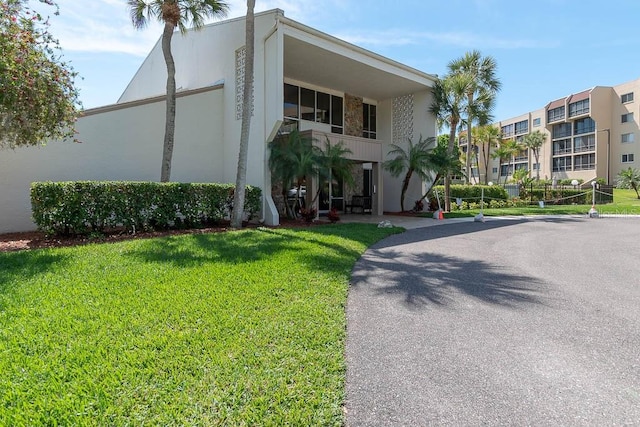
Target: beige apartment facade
<point>592,134</point>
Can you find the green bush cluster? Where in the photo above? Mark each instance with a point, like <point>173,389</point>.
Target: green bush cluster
<point>83,207</point>
<point>489,204</point>
<point>471,193</point>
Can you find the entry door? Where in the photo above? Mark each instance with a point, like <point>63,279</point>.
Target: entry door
<point>336,195</point>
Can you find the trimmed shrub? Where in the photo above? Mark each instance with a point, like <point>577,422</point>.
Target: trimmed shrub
<point>83,207</point>
<point>473,193</point>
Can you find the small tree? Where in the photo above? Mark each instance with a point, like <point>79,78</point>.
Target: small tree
<point>415,159</point>
<point>293,159</point>
<point>443,163</point>
<point>629,178</point>
<point>38,97</point>
<point>534,141</point>
<point>333,162</point>
<point>487,138</point>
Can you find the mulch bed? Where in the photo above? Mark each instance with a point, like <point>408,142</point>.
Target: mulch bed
<point>37,240</point>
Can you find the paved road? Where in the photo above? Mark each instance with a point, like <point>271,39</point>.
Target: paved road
<point>508,322</point>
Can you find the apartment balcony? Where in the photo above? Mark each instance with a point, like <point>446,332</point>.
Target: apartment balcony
<point>362,149</point>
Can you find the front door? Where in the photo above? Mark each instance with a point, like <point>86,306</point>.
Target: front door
<point>335,195</point>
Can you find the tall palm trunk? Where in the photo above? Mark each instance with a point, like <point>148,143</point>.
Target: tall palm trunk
<point>170,120</point>
<point>485,158</point>
<point>405,186</point>
<point>241,177</point>
<point>536,154</point>
<point>469,140</point>
<point>447,180</point>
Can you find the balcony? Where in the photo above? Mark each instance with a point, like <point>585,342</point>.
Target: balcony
<point>362,149</point>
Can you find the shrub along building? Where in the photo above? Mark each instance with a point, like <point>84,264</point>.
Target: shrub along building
<point>304,79</point>
<point>589,135</point>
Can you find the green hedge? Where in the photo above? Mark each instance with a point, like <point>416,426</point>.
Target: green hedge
<point>471,192</point>
<point>82,207</point>
<point>468,193</point>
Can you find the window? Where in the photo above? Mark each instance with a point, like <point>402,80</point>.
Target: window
<point>536,166</point>
<point>561,164</point>
<point>561,130</point>
<point>627,158</point>
<point>626,118</point>
<point>579,107</point>
<point>507,130</point>
<point>323,107</point>
<point>586,125</point>
<point>494,170</point>
<point>555,114</point>
<point>291,101</point>
<point>627,97</point>
<point>627,137</point>
<point>506,170</point>
<point>522,127</point>
<point>536,122</point>
<point>562,146</point>
<point>522,156</point>
<point>369,121</point>
<point>584,143</point>
<point>336,114</point>
<point>308,104</point>
<point>585,162</point>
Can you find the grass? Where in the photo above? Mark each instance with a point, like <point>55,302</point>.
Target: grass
<point>238,328</point>
<point>624,202</point>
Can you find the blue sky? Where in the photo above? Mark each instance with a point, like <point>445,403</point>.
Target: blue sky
<point>545,49</point>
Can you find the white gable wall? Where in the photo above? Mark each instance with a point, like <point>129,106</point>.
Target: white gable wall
<point>122,144</point>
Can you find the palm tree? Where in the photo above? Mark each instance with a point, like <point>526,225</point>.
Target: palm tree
<point>534,141</point>
<point>504,152</point>
<point>174,14</point>
<point>449,100</point>
<point>480,93</point>
<point>333,162</point>
<point>487,138</point>
<point>507,151</point>
<point>443,163</point>
<point>629,178</point>
<point>247,104</point>
<point>293,160</point>
<point>415,159</point>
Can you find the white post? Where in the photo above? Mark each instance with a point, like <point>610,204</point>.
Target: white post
<point>593,213</point>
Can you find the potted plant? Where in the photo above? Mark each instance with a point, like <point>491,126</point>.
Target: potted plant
<point>333,215</point>
<point>308,214</point>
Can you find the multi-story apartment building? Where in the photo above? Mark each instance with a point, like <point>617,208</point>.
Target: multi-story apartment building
<point>590,134</point>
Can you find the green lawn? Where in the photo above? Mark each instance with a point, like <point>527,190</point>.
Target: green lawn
<point>624,202</point>
<point>238,328</point>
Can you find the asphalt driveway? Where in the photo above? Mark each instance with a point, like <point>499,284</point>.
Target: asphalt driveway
<point>508,322</point>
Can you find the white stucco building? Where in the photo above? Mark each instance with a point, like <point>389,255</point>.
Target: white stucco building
<point>303,78</point>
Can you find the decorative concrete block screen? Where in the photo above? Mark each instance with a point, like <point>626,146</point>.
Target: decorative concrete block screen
<point>402,118</point>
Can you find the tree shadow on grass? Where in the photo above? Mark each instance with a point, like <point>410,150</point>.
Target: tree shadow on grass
<point>23,265</point>
<point>233,247</point>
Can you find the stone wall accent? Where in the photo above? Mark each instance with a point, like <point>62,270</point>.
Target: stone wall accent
<point>358,181</point>
<point>402,118</point>
<point>352,115</point>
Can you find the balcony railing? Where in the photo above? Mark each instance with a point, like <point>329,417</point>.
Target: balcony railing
<point>362,149</point>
